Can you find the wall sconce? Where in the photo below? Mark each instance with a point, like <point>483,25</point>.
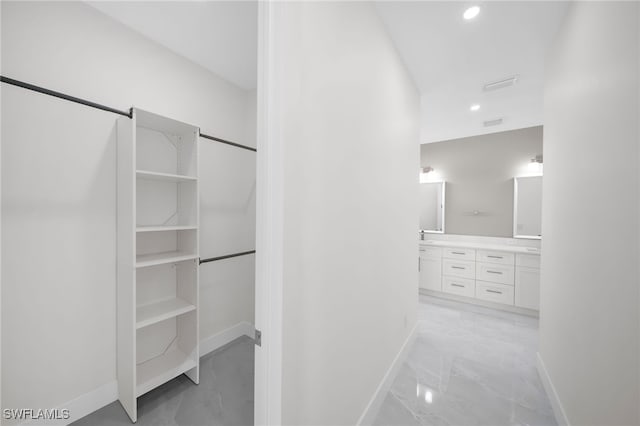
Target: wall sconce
<point>535,165</point>
<point>429,174</point>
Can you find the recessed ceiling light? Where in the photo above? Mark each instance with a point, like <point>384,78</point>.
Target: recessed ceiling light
<point>471,13</point>
<point>474,107</point>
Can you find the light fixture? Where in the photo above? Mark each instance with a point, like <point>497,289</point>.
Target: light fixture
<point>427,174</point>
<point>535,165</point>
<point>471,12</point>
<point>474,107</point>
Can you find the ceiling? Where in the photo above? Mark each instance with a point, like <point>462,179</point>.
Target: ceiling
<point>221,36</point>
<point>451,59</point>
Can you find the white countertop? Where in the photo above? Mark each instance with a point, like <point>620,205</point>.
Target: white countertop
<point>495,247</point>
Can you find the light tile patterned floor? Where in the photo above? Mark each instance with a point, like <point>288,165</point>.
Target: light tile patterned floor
<point>468,366</point>
<point>223,397</point>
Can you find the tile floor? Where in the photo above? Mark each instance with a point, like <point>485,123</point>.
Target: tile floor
<point>223,397</point>
<point>469,366</point>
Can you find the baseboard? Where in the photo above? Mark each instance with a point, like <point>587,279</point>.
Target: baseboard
<point>106,394</point>
<point>228,335</point>
<point>558,409</point>
<point>372,408</point>
<point>82,405</point>
<point>478,302</point>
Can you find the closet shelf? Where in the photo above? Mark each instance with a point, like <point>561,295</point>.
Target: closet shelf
<point>161,228</point>
<point>161,369</point>
<point>144,260</point>
<point>160,311</point>
<point>168,177</point>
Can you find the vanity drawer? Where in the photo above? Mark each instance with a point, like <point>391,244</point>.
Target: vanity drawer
<point>430,252</point>
<point>459,268</point>
<point>495,257</point>
<point>495,273</point>
<point>459,286</point>
<point>528,260</point>
<point>459,253</point>
<point>497,293</point>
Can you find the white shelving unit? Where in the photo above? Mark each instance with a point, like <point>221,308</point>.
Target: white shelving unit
<point>157,254</point>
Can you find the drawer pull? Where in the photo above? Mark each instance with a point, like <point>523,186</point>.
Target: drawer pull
<point>494,272</point>
<point>458,252</point>
<point>458,267</point>
<point>495,257</point>
<point>494,291</point>
<point>456,285</point>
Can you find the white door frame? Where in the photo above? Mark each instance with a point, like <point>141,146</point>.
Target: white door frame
<point>269,230</point>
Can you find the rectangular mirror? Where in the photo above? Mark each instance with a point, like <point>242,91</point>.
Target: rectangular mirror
<point>527,207</point>
<point>432,207</point>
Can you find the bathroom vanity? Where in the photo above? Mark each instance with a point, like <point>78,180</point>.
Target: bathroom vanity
<point>499,276</point>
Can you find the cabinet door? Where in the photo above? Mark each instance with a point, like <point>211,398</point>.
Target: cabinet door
<point>431,274</point>
<point>528,287</point>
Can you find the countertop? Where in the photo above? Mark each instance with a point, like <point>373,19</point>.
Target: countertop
<point>481,246</point>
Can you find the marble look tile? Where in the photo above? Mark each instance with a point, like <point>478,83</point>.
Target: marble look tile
<point>468,366</point>
<point>223,397</point>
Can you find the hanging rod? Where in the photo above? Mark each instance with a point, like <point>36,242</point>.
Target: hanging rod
<point>85,102</point>
<point>202,135</point>
<point>53,93</point>
<point>228,256</point>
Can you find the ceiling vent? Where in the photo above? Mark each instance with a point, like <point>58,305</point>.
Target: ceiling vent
<point>495,122</point>
<point>500,84</point>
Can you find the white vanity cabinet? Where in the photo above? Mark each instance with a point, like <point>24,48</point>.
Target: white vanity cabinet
<point>527,281</point>
<point>497,274</point>
<point>459,271</point>
<point>430,266</point>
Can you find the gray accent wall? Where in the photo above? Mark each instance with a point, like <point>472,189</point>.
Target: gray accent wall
<point>479,172</point>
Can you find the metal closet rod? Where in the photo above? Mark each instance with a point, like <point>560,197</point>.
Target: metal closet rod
<point>53,93</point>
<point>228,256</point>
<point>129,114</point>
<point>213,138</point>
<point>85,102</point>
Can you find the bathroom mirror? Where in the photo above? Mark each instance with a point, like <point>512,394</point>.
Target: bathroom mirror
<point>432,207</point>
<point>527,207</point>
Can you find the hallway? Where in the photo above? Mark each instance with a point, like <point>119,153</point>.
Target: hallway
<point>468,366</point>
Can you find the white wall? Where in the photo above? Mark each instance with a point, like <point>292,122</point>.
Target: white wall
<point>58,192</point>
<point>589,322</point>
<point>350,131</point>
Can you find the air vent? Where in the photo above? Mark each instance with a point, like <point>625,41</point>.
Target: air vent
<point>500,84</point>
<point>495,122</point>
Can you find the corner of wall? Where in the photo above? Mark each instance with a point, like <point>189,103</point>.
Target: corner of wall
<point>556,404</point>
<point>371,410</point>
